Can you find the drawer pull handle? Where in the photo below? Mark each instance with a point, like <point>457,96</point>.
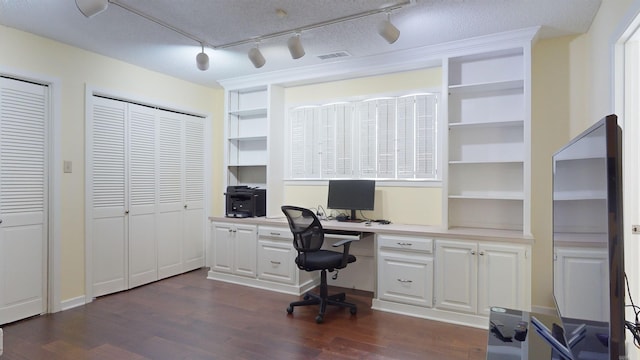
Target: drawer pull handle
<point>405,244</point>
<point>405,281</point>
<point>275,262</point>
<point>275,234</point>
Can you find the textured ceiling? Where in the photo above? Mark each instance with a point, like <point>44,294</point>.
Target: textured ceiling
<point>122,35</point>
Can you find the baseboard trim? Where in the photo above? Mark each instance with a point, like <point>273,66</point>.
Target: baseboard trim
<point>73,303</point>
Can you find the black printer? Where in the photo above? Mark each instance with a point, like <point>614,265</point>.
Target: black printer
<point>244,201</point>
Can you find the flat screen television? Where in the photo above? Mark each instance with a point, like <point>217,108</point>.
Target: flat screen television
<point>588,266</point>
<point>351,195</point>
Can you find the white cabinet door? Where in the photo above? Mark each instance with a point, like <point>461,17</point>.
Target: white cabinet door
<point>234,249</point>
<point>143,264</point>
<point>580,264</point>
<point>502,277</point>
<point>23,199</point>
<point>222,247</point>
<point>108,224</point>
<point>456,275</point>
<point>405,278</point>
<point>245,249</point>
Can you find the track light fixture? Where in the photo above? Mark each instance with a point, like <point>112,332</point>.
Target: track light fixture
<point>295,46</point>
<point>202,60</point>
<point>388,31</point>
<point>90,8</point>
<point>256,57</point>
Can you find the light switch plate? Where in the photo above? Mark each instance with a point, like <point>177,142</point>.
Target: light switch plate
<point>67,167</point>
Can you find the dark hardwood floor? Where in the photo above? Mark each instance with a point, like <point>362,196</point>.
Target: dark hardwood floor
<point>190,317</point>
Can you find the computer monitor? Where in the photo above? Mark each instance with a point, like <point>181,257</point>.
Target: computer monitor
<point>351,195</point>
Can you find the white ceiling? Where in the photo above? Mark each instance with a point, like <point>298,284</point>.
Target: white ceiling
<point>119,34</point>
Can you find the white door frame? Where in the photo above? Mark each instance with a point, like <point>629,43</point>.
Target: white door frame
<point>625,86</point>
<point>54,172</point>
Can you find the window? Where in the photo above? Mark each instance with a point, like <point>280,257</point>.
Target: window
<point>393,138</point>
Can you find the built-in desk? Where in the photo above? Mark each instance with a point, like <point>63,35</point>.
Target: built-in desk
<point>452,275</point>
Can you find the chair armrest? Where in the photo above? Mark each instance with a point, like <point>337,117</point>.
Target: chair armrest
<point>345,251</point>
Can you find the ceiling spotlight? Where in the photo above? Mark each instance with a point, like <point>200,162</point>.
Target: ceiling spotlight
<point>388,31</point>
<point>295,47</point>
<point>90,8</point>
<point>256,57</point>
<point>202,60</point>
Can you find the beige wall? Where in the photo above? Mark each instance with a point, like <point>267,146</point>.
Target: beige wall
<point>408,205</point>
<point>571,89</point>
<point>23,53</point>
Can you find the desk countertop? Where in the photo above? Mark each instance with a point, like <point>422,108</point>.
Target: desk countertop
<point>395,229</point>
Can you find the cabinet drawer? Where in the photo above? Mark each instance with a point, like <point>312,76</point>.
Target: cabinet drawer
<point>405,279</point>
<point>424,245</point>
<point>277,233</point>
<point>276,262</point>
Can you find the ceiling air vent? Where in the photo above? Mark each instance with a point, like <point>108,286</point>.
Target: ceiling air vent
<point>334,55</point>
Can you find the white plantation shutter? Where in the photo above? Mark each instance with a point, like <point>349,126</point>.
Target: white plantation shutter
<point>426,136</point>
<point>406,137</point>
<point>386,125</point>
<point>326,146</point>
<point>367,116</point>
<point>343,117</point>
<point>390,138</point>
<point>305,151</point>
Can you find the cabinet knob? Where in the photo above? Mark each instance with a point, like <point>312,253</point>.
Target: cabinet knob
<point>0,221</point>
<point>126,212</point>
<point>275,234</point>
<point>404,243</point>
<point>275,262</point>
<point>481,253</point>
<point>230,230</point>
<point>405,281</point>
<point>473,252</point>
<point>185,206</point>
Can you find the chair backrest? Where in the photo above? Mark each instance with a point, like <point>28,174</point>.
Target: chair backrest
<point>308,235</point>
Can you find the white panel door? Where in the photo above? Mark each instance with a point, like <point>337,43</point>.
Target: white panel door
<point>456,275</point>
<point>108,193</point>
<point>501,277</point>
<point>170,223</point>
<point>23,199</point>
<point>194,214</point>
<point>143,264</point>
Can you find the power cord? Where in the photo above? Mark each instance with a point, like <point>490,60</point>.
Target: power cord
<point>633,327</point>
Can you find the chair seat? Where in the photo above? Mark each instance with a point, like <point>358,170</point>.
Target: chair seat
<point>322,259</point>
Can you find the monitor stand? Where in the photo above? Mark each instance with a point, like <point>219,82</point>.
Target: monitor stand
<point>353,217</point>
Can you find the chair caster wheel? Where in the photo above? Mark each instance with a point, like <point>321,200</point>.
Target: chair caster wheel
<point>319,319</point>
<point>289,309</point>
<point>353,311</point>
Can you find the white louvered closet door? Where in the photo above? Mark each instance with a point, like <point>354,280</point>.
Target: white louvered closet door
<point>194,180</point>
<point>23,199</point>
<point>107,196</point>
<point>170,204</point>
<point>143,264</point>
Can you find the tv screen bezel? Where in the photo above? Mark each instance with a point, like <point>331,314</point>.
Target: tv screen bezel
<point>614,222</point>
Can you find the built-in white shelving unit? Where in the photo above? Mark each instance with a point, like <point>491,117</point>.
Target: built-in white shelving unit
<point>254,114</point>
<point>487,168</point>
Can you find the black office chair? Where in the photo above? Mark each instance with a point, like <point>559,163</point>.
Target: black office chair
<point>308,237</point>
